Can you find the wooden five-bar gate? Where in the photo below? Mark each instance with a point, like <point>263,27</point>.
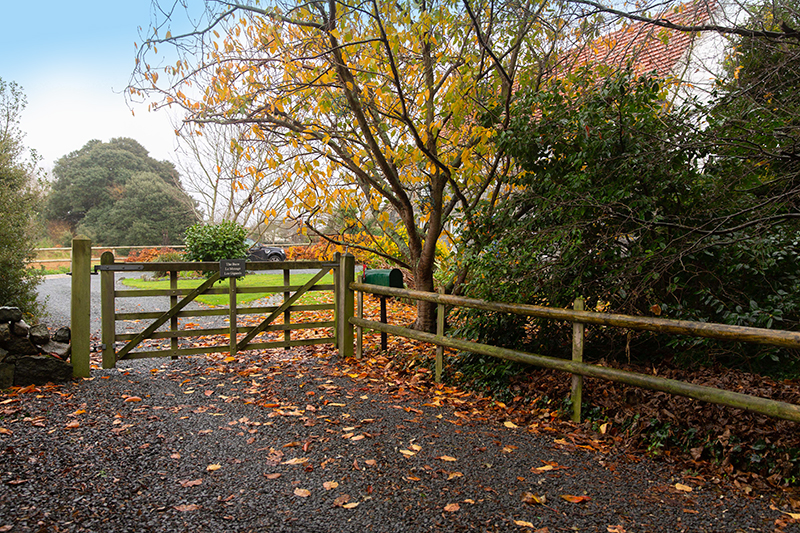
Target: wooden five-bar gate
<point>164,325</point>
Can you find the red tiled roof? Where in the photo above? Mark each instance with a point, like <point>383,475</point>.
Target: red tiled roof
<point>647,47</point>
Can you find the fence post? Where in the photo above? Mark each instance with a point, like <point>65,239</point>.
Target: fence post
<point>173,301</point>
<point>440,312</point>
<point>287,315</point>
<point>337,301</point>
<point>81,305</point>
<point>347,275</point>
<point>107,311</point>
<point>232,315</point>
<point>577,356</point>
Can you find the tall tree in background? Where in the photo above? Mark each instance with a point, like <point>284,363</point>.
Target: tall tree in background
<point>18,198</point>
<point>117,194</point>
<point>381,108</point>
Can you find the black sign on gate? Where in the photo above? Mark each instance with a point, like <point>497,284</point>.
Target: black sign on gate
<point>232,268</point>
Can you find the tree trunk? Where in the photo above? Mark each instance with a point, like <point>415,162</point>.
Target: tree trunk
<point>426,311</point>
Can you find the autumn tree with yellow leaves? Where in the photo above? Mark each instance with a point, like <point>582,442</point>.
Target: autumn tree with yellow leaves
<point>385,110</point>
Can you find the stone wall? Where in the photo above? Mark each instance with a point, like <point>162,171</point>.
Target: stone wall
<point>28,354</point>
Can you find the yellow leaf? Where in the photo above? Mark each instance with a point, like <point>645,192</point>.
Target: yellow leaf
<point>533,499</point>
<point>407,453</point>
<point>351,505</point>
<point>683,488</point>
<point>575,499</point>
<point>213,467</point>
<point>523,523</point>
<point>510,424</point>
<point>296,461</point>
<point>4,431</point>
<point>133,399</point>
<point>303,493</point>
<point>447,458</point>
<point>330,485</point>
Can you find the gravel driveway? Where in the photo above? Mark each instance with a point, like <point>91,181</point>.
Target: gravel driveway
<point>288,441</point>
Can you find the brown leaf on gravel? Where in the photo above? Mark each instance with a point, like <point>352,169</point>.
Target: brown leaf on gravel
<point>303,493</point>
<point>190,483</point>
<point>452,507</point>
<point>330,485</point>
<point>341,500</point>
<point>272,476</point>
<point>186,507</point>
<point>133,399</point>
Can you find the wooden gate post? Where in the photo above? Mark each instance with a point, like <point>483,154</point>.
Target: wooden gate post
<point>346,303</point>
<point>577,356</point>
<point>107,311</point>
<point>81,305</point>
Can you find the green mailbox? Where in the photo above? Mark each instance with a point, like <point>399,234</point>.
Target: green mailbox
<point>385,277</point>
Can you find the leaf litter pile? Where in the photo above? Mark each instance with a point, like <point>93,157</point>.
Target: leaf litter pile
<point>298,441</point>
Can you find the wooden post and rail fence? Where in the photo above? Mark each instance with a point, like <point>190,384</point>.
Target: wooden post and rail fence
<point>346,319</point>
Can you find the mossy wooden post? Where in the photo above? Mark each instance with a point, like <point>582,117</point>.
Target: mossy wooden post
<point>173,301</point>
<point>577,356</point>
<point>347,275</point>
<point>360,314</point>
<point>107,310</point>
<point>440,311</point>
<point>287,315</point>
<point>81,306</point>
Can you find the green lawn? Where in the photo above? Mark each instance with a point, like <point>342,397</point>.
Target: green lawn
<point>251,280</point>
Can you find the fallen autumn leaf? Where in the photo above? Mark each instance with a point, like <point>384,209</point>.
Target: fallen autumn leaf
<point>187,507</point>
<point>575,499</point>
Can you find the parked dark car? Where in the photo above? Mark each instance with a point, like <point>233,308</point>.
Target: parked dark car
<point>260,252</point>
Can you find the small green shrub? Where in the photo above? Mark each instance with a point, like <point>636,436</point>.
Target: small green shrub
<point>214,242</point>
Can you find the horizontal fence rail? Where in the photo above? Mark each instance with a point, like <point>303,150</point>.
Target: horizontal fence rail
<point>772,408</point>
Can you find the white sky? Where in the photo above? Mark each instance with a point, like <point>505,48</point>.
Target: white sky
<point>73,59</point>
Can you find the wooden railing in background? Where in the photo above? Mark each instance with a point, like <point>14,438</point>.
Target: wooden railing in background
<point>576,367</point>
